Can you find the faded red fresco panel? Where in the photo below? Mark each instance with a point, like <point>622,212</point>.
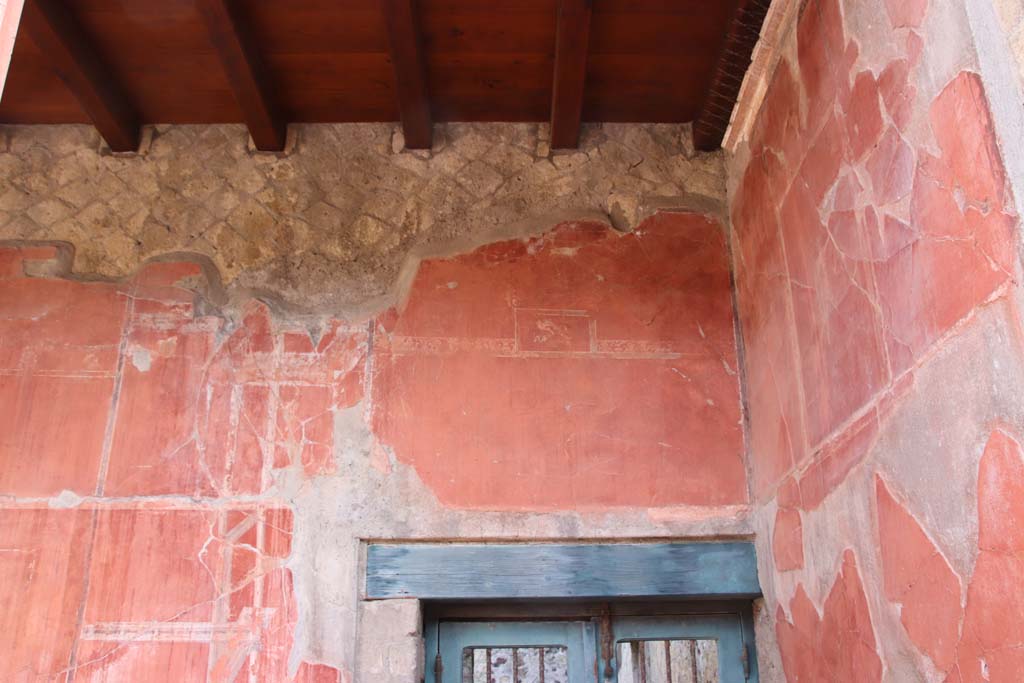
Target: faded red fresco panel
<point>891,168</point>
<point>965,244</point>
<point>777,439</point>
<point>142,660</point>
<point>1001,495</point>
<point>897,92</point>
<point>222,610</point>
<point>992,646</point>
<point>42,575</point>
<point>155,447</point>
<point>278,629</point>
<point>839,646</point>
<point>51,433</point>
<point>885,246</point>
<point>991,643</point>
<point>58,356</point>
<point>579,368</point>
<point>837,323</point>
<point>305,425</point>
<point>863,116</point>
<point>906,13</point>
<point>58,324</point>
<point>788,540</point>
<point>206,413</point>
<point>836,459</point>
<point>779,124</point>
<point>134,546</point>
<point>822,160</point>
<point>918,577</point>
<point>260,644</point>
<point>317,673</point>
<point>254,553</point>
<point>820,42</point>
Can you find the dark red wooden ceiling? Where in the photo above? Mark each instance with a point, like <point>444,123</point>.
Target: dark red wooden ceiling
<point>342,60</point>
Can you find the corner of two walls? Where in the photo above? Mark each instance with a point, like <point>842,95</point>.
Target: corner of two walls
<point>876,255</point>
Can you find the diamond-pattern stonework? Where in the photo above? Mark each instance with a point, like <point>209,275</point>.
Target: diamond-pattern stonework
<point>330,224</point>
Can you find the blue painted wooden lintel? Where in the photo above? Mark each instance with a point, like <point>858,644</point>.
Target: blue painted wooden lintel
<point>449,571</point>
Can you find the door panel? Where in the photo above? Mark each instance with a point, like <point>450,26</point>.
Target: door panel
<point>667,661</point>
<point>515,665</point>
<point>709,647</point>
<point>511,652</point>
<point>713,647</point>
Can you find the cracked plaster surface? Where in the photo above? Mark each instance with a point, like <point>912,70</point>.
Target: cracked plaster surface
<point>231,453</point>
<point>876,255</point>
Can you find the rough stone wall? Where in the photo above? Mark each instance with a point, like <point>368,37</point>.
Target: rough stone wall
<point>390,642</point>
<point>185,485</point>
<point>877,266</point>
<point>330,225</point>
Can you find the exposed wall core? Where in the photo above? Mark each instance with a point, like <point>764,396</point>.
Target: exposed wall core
<point>329,226</point>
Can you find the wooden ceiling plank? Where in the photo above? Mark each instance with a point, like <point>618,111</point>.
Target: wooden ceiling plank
<point>76,62</point>
<point>247,75</point>
<point>571,42</point>
<point>406,48</point>
<point>733,62</point>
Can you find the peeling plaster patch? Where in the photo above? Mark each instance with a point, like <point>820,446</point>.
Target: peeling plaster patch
<point>66,500</point>
<point>141,359</point>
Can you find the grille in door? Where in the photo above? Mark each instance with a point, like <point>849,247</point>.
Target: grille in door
<point>668,661</point>
<point>515,665</point>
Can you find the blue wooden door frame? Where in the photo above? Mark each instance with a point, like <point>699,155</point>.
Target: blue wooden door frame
<point>486,571</point>
<point>733,632</point>
<point>538,572</point>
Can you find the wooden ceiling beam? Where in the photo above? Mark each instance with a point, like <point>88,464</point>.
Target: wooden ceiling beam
<point>406,47</point>
<point>733,61</point>
<point>74,59</point>
<point>572,38</point>
<point>246,74</point>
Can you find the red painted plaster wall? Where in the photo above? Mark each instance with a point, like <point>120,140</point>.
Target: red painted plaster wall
<point>140,535</point>
<point>872,222</point>
<point>137,438</point>
<point>579,369</point>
